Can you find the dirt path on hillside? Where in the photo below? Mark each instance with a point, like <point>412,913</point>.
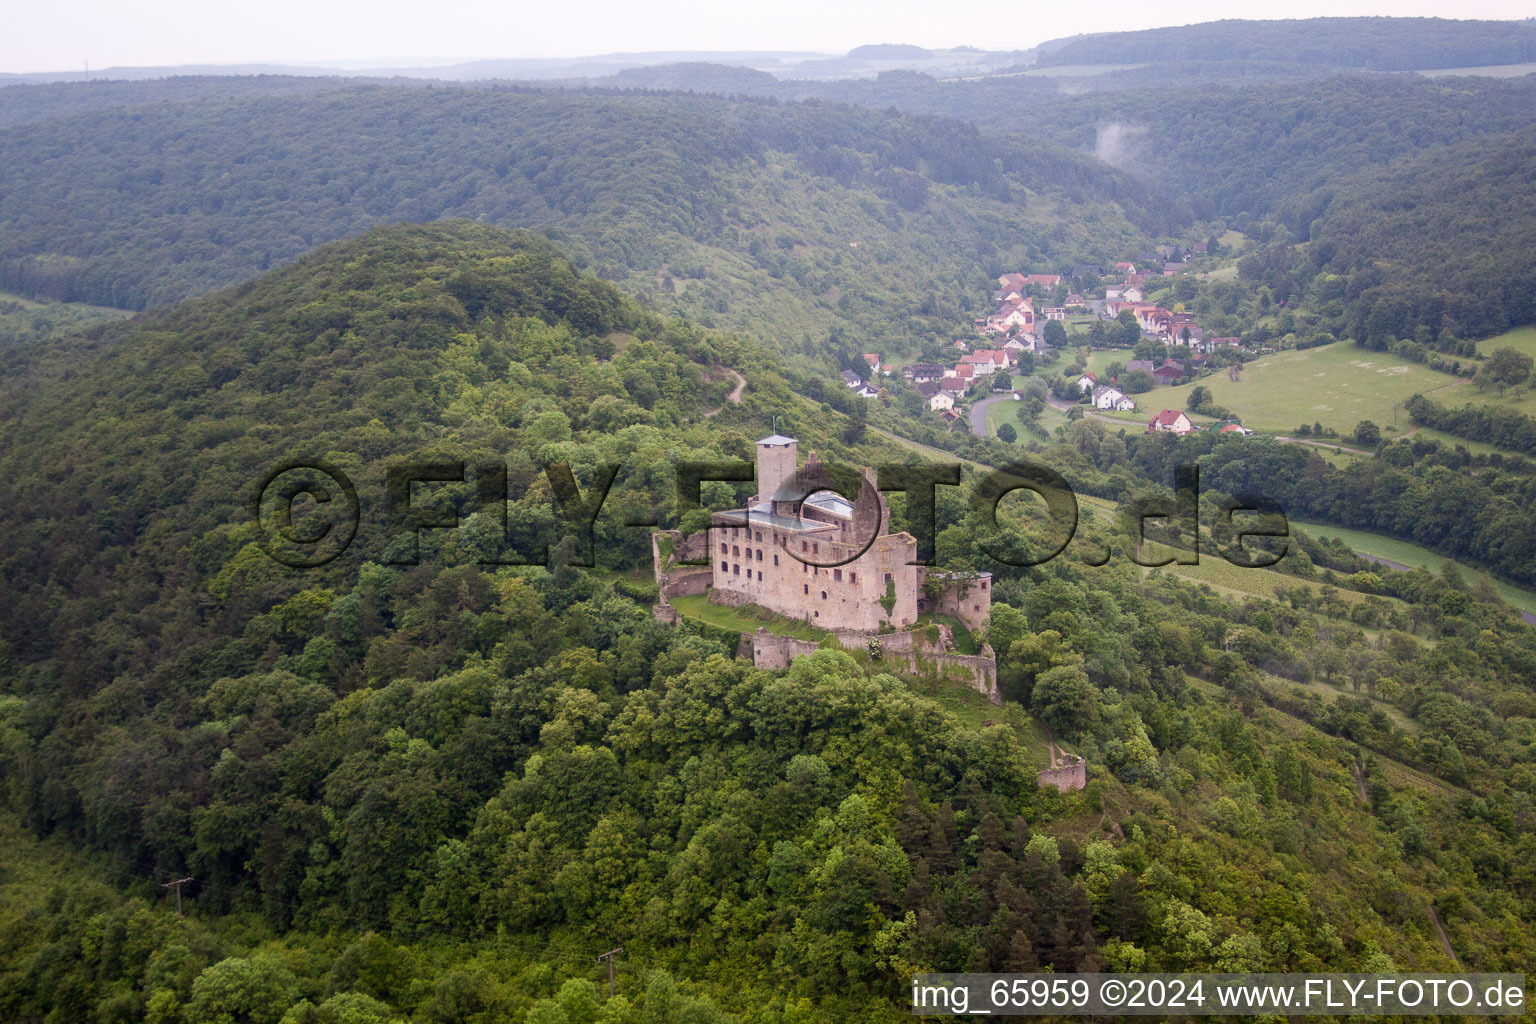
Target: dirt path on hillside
<point>734,398</point>
<point>1445,940</point>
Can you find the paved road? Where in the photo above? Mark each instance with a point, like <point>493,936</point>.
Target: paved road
<point>979,414</point>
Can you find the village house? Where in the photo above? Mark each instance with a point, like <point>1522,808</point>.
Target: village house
<point>1169,373</point>
<point>1230,427</point>
<point>865,391</point>
<point>917,373</point>
<point>937,398</point>
<point>852,380</point>
<point>1086,382</point>
<point>1054,312</point>
<point>1170,421</point>
<point>1145,365</point>
<point>873,359</point>
<point>1109,397</point>
<point>1124,267</point>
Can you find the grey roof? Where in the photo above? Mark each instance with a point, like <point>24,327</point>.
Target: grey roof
<point>777,439</point>
<point>756,517</point>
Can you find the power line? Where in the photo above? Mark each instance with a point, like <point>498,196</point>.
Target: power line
<point>178,883</point>
<point>609,957</point>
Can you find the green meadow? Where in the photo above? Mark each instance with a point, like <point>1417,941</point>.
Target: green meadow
<point>1416,557</point>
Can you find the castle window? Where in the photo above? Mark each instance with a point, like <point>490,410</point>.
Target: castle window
<point>804,546</point>
<point>759,575</point>
<point>823,595</point>
<point>724,550</point>
<point>853,577</point>
<point>758,535</point>
<point>775,559</point>
<point>815,549</point>
<point>735,549</point>
<point>807,587</point>
<point>975,607</point>
<point>759,554</point>
<point>837,574</point>
<point>736,570</point>
<point>983,584</point>
<point>887,577</point>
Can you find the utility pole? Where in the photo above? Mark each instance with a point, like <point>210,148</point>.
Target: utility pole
<point>178,884</point>
<point>609,957</point>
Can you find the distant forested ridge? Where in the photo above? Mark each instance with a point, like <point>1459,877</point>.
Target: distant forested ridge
<point>703,205</point>
<point>1377,44</point>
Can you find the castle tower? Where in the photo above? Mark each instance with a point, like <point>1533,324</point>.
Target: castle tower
<point>776,463</point>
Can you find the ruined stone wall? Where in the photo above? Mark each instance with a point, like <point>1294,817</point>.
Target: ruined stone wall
<point>1066,777</point>
<point>969,600</point>
<point>684,550</point>
<point>686,582</point>
<point>903,652</point>
<point>776,652</point>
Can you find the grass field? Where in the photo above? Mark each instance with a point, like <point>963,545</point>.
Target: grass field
<point>1337,385</point>
<point>744,620</point>
<point>1008,412</point>
<point>1414,556</point>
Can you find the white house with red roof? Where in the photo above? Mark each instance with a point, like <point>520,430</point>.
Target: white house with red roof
<point>1170,421</point>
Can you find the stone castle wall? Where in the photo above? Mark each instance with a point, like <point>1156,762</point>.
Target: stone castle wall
<point>903,651</point>
<point>1066,777</point>
<point>969,600</point>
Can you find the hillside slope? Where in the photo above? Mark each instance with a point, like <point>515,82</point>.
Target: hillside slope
<point>777,220</point>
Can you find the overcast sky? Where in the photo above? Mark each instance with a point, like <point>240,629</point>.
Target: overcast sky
<point>61,35</point>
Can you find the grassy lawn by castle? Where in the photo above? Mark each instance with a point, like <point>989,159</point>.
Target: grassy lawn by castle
<point>745,618</point>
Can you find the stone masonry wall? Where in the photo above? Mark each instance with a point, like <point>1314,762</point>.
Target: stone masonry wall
<point>1066,777</point>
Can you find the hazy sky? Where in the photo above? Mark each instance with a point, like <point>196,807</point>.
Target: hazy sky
<point>64,34</point>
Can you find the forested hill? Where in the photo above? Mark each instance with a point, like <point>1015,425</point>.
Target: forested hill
<point>435,790</point>
<point>783,220</point>
<point>468,341</point>
<point>1378,44</point>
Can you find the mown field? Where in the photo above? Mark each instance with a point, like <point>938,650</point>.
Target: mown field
<point>1336,385</point>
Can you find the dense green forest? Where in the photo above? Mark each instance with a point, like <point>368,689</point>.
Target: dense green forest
<point>744,212</point>
<point>433,790</point>
<point>782,221</point>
